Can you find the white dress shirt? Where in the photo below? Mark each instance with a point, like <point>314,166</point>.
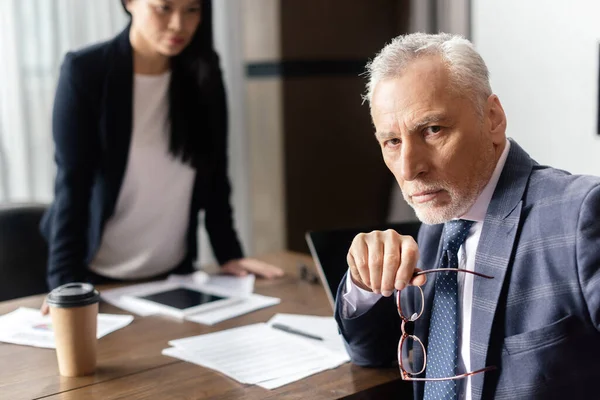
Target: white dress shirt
<point>357,301</point>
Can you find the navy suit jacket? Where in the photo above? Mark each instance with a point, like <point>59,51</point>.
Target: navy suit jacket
<point>92,126</point>
<point>538,320</point>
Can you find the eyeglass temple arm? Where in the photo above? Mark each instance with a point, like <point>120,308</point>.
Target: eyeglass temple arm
<point>406,376</point>
<point>417,273</point>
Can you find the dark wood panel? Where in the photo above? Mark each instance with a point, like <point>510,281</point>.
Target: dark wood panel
<point>334,172</point>
<point>339,29</point>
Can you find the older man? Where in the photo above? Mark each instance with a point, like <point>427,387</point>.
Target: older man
<point>514,312</point>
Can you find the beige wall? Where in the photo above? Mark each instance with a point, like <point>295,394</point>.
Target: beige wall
<point>264,127</point>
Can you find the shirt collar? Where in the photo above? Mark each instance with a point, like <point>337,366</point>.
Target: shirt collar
<point>479,208</point>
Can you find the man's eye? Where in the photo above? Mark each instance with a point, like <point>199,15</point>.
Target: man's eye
<point>391,142</point>
<point>433,129</point>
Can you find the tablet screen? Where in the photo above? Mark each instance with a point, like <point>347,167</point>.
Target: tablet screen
<point>182,298</point>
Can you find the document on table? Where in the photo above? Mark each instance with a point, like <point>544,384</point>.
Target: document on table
<point>250,303</point>
<point>233,285</point>
<point>257,354</point>
<point>27,326</point>
<point>323,327</point>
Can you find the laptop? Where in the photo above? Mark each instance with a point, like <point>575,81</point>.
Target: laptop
<point>329,250</point>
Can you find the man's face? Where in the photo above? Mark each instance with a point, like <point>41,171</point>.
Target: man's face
<point>441,151</point>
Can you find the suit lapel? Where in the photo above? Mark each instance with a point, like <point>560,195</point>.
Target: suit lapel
<point>117,117</point>
<point>494,253</point>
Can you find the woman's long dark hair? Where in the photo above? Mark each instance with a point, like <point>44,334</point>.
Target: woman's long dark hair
<point>195,89</point>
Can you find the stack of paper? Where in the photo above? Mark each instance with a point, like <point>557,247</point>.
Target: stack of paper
<point>28,327</point>
<point>242,287</point>
<point>259,354</point>
<point>250,303</point>
<point>323,327</point>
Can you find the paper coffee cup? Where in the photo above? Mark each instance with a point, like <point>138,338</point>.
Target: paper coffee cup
<point>74,312</point>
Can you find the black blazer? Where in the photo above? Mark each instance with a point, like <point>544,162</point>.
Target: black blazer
<point>92,124</point>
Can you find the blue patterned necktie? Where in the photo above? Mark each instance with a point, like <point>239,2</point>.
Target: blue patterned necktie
<point>442,347</point>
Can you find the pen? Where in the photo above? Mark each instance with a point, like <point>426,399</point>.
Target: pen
<point>286,328</point>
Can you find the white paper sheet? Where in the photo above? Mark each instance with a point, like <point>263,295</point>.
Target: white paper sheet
<point>196,277</point>
<point>251,303</point>
<point>255,353</point>
<point>27,326</point>
<point>182,354</point>
<point>324,327</point>
<point>236,286</point>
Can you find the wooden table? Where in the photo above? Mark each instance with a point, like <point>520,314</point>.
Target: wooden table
<point>130,364</point>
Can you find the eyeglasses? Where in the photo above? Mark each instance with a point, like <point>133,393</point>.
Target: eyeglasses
<point>412,356</point>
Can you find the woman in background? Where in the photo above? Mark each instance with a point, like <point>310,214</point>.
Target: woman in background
<point>140,130</point>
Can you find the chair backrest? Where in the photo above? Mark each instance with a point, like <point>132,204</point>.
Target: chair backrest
<point>23,251</point>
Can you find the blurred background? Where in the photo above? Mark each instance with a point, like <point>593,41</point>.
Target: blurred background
<point>302,152</point>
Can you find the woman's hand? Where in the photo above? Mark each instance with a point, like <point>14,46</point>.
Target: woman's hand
<point>245,266</point>
<point>45,309</point>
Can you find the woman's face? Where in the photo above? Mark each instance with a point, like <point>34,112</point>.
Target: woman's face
<point>165,27</point>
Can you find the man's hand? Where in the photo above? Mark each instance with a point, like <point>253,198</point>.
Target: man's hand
<point>383,260</point>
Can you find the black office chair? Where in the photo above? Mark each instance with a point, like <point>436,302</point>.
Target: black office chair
<point>23,251</point>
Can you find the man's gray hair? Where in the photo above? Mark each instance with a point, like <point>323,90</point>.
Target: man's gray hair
<point>467,69</point>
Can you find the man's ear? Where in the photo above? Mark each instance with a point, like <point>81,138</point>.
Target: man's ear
<point>496,119</point>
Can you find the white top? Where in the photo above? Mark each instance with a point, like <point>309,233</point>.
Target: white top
<point>146,235</point>
<point>358,301</point>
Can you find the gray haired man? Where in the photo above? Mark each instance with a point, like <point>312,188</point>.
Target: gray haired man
<point>501,296</point>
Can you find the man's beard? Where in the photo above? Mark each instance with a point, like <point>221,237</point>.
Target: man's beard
<point>459,204</point>
<point>461,199</point>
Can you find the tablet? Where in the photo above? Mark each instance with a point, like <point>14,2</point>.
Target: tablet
<point>181,301</point>
<point>182,298</point>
